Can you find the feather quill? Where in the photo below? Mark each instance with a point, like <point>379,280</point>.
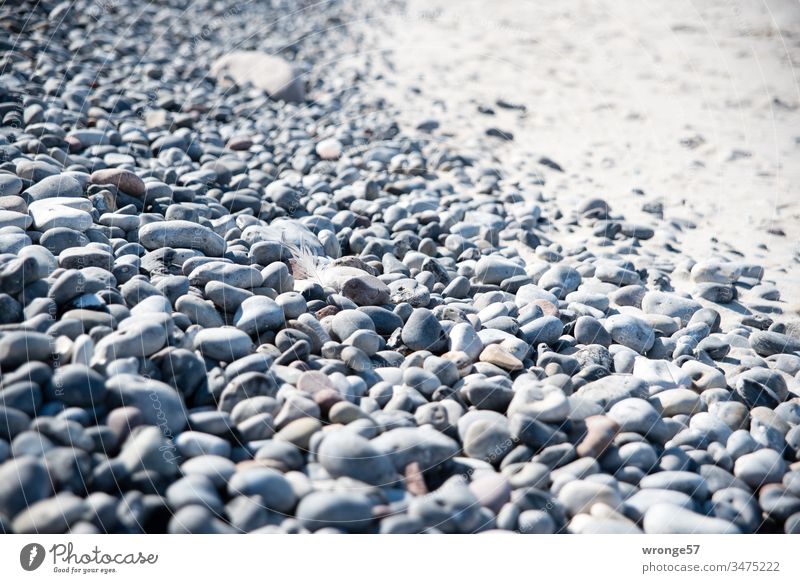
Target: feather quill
<point>304,264</point>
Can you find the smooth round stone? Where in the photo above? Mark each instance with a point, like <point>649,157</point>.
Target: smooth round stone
<point>710,426</point>
<point>422,331</point>
<point>495,268</point>
<point>277,277</point>
<point>345,453</point>
<point>660,373</point>
<point>159,403</point>
<point>641,417</point>
<point>196,519</point>
<point>445,370</point>
<point>630,331</point>
<point>578,496</point>
<point>216,468</point>
<point>488,440</point>
<point>600,433</point>
<point>546,404</point>
<point>761,387</point>
<point>10,185</point>
<point>543,330</point>
<point>405,445</point>
<point>125,180</point>
<point>464,338</point>
<point>276,491</point>
<point>347,322</point>
<point>450,509</point>
<point>686,482</point>
<point>226,297</point>
<point>348,511</point>
<point>61,186</point>
<point>384,321</point>
<point>23,482</point>
<point>344,413</point>
<point>240,276</point>
<point>223,344</point>
<point>767,343</point>
<point>672,519</point>
<point>366,290</point>
<point>638,504</point>
<point>492,490</point>
<point>257,427</point>
<point>589,331</point>
<point>77,385</point>
<point>299,431</point>
<point>738,506</point>
<point>293,304</point>
<point>676,402</point>
<point>53,212</point>
<point>19,347</point>
<point>196,443</point>
<point>668,304</point>
<point>181,234</point>
<point>147,449</point>
<point>15,219</point>
<point>195,489</point>
<point>258,314</point>
<point>764,466</point>
<point>329,149</point>
<point>498,356</point>
<point>51,516</point>
<point>565,278</point>
<point>280,455</point>
<point>703,376</point>
<point>535,522</point>
<point>611,389</point>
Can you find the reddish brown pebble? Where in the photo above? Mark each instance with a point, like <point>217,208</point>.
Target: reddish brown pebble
<point>327,398</point>
<point>125,180</point>
<point>548,308</point>
<point>326,311</point>
<point>600,432</point>
<point>415,483</point>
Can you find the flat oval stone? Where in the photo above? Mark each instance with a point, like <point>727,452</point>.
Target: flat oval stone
<point>78,385</point>
<point>159,403</point>
<point>765,466</point>
<point>349,511</point>
<point>672,519</point>
<point>224,344</point>
<point>270,484</point>
<point>345,453</point>
<point>258,314</point>
<point>125,180</point>
<point>61,185</point>
<point>404,445</point>
<point>630,331</point>
<point>181,234</point>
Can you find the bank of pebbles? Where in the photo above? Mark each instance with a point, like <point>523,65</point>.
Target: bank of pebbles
<point>223,312</point>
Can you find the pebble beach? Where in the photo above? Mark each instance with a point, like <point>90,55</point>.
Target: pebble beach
<point>399,267</point>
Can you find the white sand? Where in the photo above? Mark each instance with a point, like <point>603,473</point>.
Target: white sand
<point>695,103</point>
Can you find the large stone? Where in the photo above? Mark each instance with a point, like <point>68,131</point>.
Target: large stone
<point>268,72</point>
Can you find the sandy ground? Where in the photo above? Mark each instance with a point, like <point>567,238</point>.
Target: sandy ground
<point>695,104</point>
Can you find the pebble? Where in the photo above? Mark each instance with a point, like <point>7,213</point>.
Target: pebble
<point>347,511</point>
<point>422,331</point>
<point>671,519</point>
<point>181,234</point>
<point>579,496</point>
<point>630,331</point>
<point>764,466</point>
<point>223,344</point>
